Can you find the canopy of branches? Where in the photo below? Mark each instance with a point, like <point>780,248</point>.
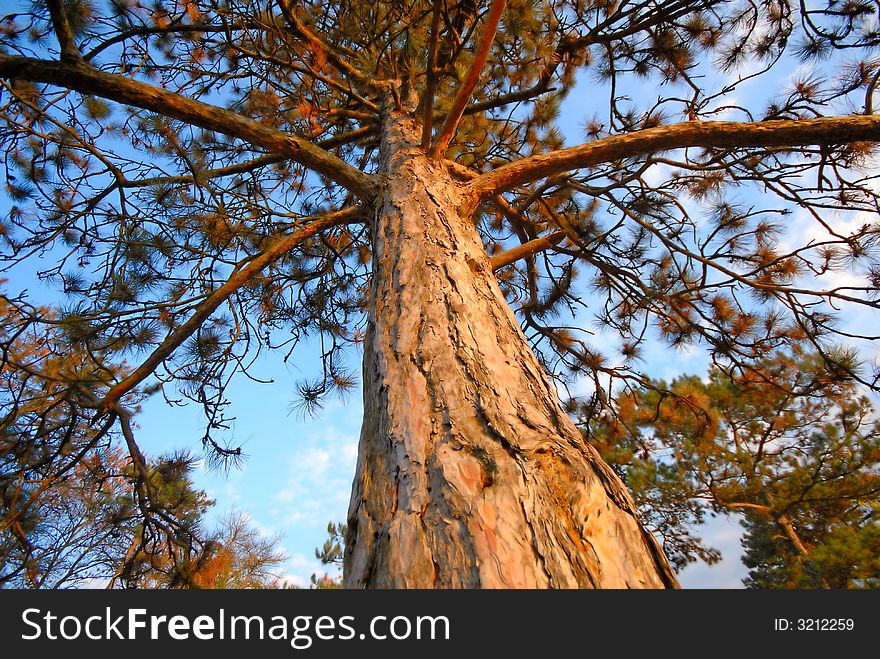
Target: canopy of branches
<point>189,183</point>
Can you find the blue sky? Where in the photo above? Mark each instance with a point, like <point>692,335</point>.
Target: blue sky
<point>298,470</point>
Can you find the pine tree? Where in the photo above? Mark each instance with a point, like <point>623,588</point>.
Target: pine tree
<point>332,552</point>
<point>85,528</point>
<point>208,179</point>
<point>71,531</point>
<point>791,452</point>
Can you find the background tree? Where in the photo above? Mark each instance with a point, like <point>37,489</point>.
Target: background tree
<point>842,557</point>
<point>243,558</point>
<point>332,552</point>
<point>85,526</point>
<point>76,530</point>
<point>207,179</point>
<point>237,556</point>
<point>790,450</point>
<point>85,529</point>
<point>161,560</point>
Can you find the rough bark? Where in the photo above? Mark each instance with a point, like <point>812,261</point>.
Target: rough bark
<point>469,472</point>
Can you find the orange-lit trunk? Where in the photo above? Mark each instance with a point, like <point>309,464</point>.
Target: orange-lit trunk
<point>469,472</point>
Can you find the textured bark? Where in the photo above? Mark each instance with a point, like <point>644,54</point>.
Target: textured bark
<point>469,472</point>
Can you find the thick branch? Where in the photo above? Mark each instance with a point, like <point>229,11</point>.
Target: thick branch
<point>516,218</point>
<point>526,249</point>
<point>709,134</point>
<point>117,88</point>
<point>463,97</point>
<point>786,524</point>
<point>239,278</point>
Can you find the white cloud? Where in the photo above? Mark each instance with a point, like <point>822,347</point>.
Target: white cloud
<point>301,568</point>
<point>724,534</point>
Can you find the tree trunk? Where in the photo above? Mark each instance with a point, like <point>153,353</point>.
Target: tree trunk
<point>470,474</point>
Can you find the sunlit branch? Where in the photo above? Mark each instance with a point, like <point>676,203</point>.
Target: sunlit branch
<point>710,134</point>
<point>240,277</point>
<point>526,249</point>
<point>465,91</point>
<point>118,88</point>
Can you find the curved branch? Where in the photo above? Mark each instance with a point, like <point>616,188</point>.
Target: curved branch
<point>240,276</point>
<point>85,79</point>
<point>709,134</point>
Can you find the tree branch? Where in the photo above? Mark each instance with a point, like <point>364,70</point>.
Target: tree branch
<point>64,33</point>
<point>348,137</point>
<point>463,97</point>
<point>85,79</point>
<point>519,222</point>
<point>318,45</point>
<point>786,524</point>
<point>240,276</point>
<point>220,172</point>
<point>242,167</point>
<point>566,46</point>
<point>431,77</point>
<point>526,249</point>
<point>149,31</point>
<point>709,134</point>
